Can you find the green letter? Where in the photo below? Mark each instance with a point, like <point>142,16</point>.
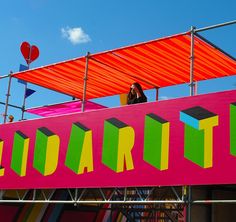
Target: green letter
<point>198,137</point>
<point>46,151</point>
<point>233,129</point>
<point>80,150</point>
<point>156,141</point>
<point>20,153</point>
<point>118,142</point>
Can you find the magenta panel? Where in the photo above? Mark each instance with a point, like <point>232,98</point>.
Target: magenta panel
<point>180,170</point>
<point>64,108</point>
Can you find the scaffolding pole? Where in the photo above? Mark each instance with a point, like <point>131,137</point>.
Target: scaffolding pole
<point>189,203</point>
<point>11,105</point>
<point>191,84</point>
<point>7,99</point>
<point>24,101</point>
<point>138,202</point>
<point>85,82</point>
<point>157,93</point>
<point>215,26</point>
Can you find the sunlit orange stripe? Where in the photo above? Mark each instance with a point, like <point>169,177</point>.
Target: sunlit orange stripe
<point>118,77</point>
<point>104,84</point>
<point>42,79</point>
<point>109,89</point>
<point>206,55</point>
<point>73,73</point>
<point>198,71</point>
<point>171,66</point>
<point>218,61</point>
<point>179,58</point>
<point>153,75</point>
<point>169,73</point>
<point>203,63</point>
<point>112,74</point>
<point>171,53</point>
<point>141,63</point>
<point>198,68</point>
<point>114,59</point>
<point>63,77</point>
<point>219,56</point>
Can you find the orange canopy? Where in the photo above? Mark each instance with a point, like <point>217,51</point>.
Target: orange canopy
<point>158,63</point>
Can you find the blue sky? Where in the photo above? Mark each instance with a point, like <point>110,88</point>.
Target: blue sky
<point>67,29</point>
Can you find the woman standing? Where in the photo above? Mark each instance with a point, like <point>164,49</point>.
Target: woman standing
<point>136,94</point>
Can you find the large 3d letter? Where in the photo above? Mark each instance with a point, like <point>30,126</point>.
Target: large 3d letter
<point>46,151</point>
<point>2,169</point>
<point>118,142</point>
<point>233,129</point>
<point>80,149</point>
<point>156,141</point>
<point>20,153</point>
<point>198,136</point>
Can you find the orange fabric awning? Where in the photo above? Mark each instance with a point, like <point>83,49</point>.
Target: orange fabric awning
<point>158,63</point>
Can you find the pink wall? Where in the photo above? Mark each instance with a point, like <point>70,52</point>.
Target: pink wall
<point>180,170</point>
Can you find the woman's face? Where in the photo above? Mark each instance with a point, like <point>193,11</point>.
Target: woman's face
<point>132,89</point>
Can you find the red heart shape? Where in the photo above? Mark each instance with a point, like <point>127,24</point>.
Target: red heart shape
<point>30,53</point>
<point>25,50</point>
<point>34,53</point>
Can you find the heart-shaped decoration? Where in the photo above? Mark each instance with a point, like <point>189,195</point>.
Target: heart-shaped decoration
<point>29,52</point>
<point>34,53</point>
<point>25,50</point>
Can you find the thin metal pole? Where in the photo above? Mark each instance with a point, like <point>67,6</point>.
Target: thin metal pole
<point>189,204</point>
<point>175,192</point>
<point>157,93</point>
<point>213,201</point>
<point>3,77</point>
<point>23,106</point>
<point>191,84</point>
<point>17,107</point>
<point>184,193</point>
<point>85,81</point>
<point>7,98</point>
<point>215,26</point>
<point>34,200</point>
<point>24,101</point>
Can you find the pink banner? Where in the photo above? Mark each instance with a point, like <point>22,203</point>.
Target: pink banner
<point>64,108</point>
<point>185,141</point>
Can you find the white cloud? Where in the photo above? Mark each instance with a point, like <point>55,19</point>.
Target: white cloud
<point>75,35</point>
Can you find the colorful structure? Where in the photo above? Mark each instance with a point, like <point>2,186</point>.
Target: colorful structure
<point>124,160</point>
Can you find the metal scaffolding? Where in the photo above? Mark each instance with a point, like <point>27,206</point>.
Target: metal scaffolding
<point>136,203</point>
<point>164,204</point>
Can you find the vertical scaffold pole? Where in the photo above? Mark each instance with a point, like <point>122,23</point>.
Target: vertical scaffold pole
<point>7,98</point>
<point>191,84</point>
<point>24,101</point>
<point>23,106</point>
<point>192,92</point>
<point>157,93</point>
<point>85,81</point>
<point>188,219</point>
